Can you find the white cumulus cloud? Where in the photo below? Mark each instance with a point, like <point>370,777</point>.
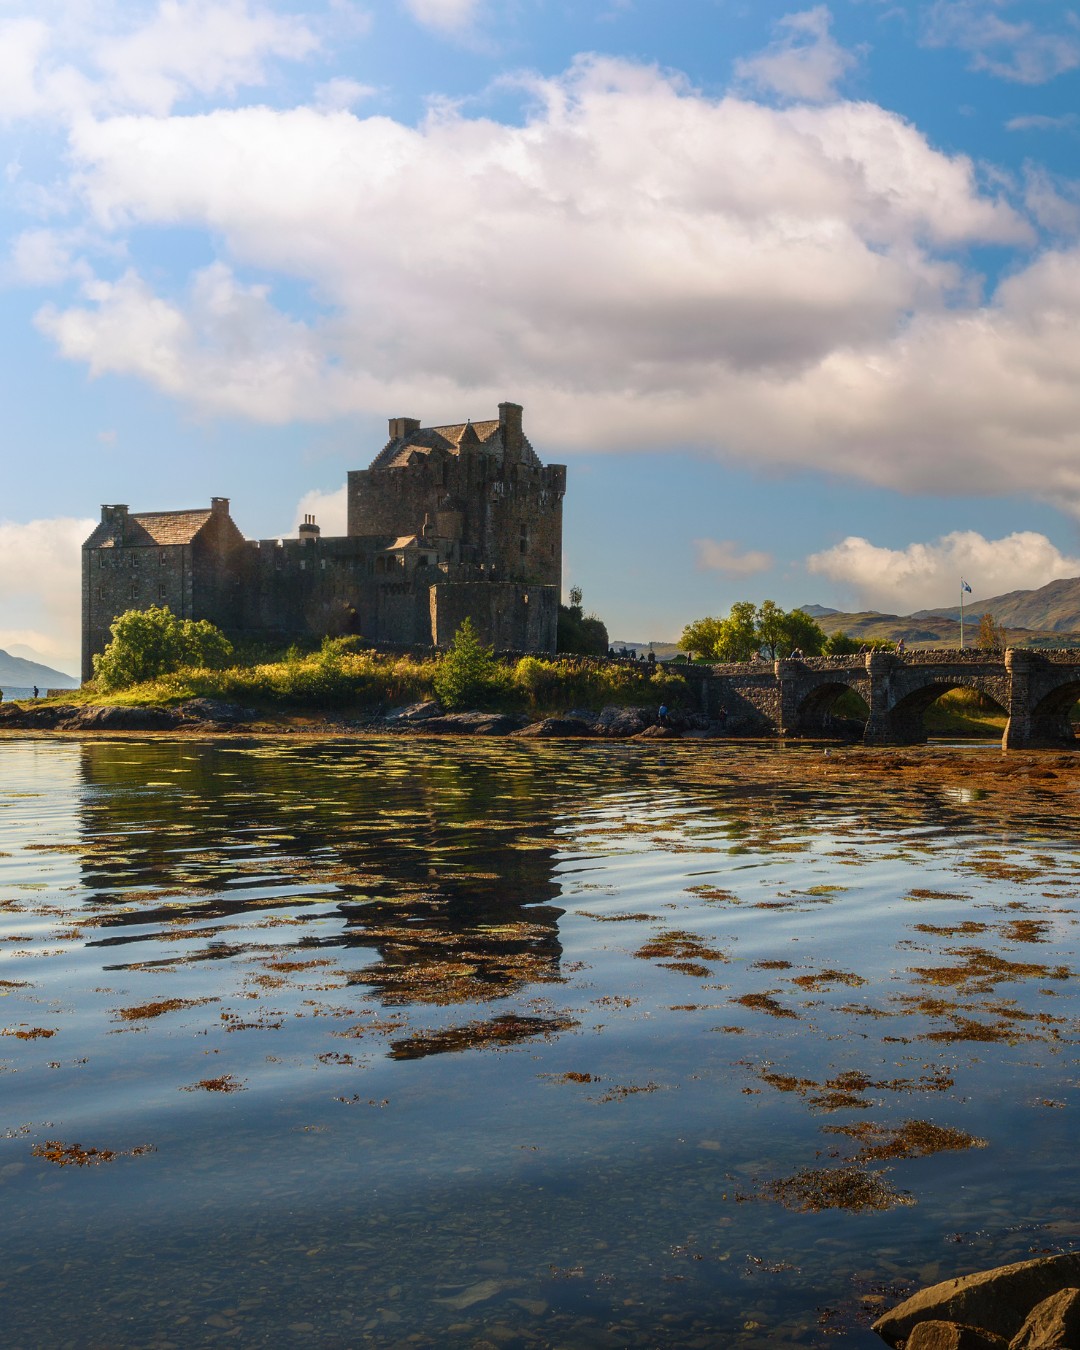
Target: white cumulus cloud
<point>1012,49</point>
<point>728,557</point>
<point>927,575</point>
<point>633,276</point>
<point>803,62</point>
<point>330,510</point>
<point>40,587</point>
<point>65,60</point>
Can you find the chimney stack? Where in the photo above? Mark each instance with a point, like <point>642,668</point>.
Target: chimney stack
<point>513,437</point>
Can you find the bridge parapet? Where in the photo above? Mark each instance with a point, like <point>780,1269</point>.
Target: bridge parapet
<point>1036,688</point>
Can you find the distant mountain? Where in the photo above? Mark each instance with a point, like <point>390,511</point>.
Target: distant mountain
<point>1053,608</point>
<point>664,650</point>
<point>23,674</point>
<point>817,611</point>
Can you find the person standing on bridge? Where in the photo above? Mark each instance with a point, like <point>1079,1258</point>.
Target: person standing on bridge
<point>900,647</point>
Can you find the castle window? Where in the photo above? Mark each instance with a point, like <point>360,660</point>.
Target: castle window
<point>303,564</point>
<point>134,559</point>
<point>164,558</point>
<point>101,592</point>
<point>162,590</point>
<point>134,590</point>
<point>101,560</point>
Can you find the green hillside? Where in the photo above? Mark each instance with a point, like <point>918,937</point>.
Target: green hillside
<point>931,630</point>
<point>1054,608</point>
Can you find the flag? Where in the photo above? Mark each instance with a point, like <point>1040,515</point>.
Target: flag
<point>965,586</point>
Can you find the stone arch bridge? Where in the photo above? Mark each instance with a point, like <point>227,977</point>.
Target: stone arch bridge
<point>1035,689</point>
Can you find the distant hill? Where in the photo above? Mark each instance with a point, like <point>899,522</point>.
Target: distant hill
<point>664,650</point>
<point>936,630</point>
<point>1053,608</point>
<point>22,674</point>
<point>1047,617</point>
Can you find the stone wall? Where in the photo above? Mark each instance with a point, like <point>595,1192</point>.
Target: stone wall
<point>1036,690</point>
<point>508,615</point>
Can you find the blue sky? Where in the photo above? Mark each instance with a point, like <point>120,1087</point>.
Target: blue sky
<point>793,290</point>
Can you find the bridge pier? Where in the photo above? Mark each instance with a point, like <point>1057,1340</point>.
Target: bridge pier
<point>1029,728</point>
<point>787,677</point>
<point>887,725</point>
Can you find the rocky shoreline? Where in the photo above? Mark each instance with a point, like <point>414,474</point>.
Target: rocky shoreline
<point>428,718</point>
<point>1032,1305</point>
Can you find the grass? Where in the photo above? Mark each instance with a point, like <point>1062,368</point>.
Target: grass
<point>332,678</point>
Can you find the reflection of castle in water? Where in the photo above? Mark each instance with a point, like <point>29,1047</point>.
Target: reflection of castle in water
<point>436,864</point>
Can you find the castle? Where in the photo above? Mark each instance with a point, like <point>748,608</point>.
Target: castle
<point>448,523</point>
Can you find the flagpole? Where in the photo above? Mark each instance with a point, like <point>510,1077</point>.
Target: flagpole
<point>961,613</point>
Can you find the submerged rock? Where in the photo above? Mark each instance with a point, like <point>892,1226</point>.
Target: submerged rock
<point>997,1301</point>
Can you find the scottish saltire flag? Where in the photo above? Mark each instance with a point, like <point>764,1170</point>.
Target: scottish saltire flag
<point>965,586</point>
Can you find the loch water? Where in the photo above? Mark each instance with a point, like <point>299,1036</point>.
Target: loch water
<point>410,1043</point>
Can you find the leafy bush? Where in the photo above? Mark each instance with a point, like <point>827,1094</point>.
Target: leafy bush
<point>465,675</point>
<point>149,643</point>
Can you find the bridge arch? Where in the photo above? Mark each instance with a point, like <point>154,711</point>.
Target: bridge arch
<point>907,716</point>
<point>1050,720</point>
<point>816,714</point>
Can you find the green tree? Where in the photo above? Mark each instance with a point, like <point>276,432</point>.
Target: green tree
<point>992,637</point>
<point>769,628</point>
<point>465,673</point>
<point>801,633</point>
<point>749,629</point>
<point>738,639</point>
<point>730,639</point>
<point>701,637</point>
<point>148,643</point>
<point>580,633</point>
<point>840,644</point>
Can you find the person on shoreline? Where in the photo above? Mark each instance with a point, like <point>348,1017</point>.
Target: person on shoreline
<point>662,719</point>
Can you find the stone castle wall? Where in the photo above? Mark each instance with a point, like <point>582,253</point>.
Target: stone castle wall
<point>453,530</point>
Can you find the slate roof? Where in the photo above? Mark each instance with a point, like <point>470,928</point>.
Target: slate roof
<point>149,529</point>
<point>450,439</point>
<point>170,527</point>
